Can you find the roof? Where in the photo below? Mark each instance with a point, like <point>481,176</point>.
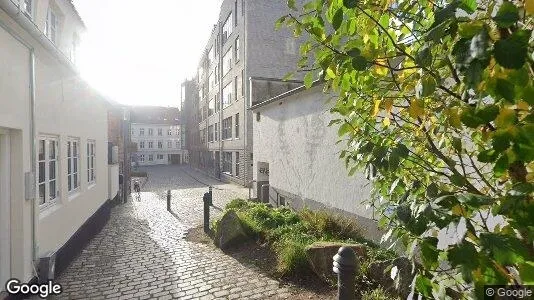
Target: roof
<point>76,13</point>
<point>284,95</point>
<point>155,115</point>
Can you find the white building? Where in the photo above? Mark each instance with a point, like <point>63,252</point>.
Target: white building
<point>295,153</point>
<point>158,144</point>
<point>52,126</point>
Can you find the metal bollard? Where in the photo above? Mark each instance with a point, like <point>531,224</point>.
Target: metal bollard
<point>168,200</point>
<point>211,195</point>
<point>207,201</point>
<point>346,265</point>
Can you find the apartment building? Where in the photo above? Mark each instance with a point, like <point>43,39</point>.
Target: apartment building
<point>54,171</point>
<point>157,133</point>
<point>242,46</point>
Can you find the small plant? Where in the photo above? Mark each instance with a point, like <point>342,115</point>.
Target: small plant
<point>322,223</point>
<point>376,294</point>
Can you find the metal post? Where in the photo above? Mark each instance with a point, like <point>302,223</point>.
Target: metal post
<point>168,200</point>
<point>346,265</point>
<point>210,191</point>
<point>206,200</point>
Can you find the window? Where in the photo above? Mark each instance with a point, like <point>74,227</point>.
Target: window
<point>211,56</point>
<point>150,157</point>
<point>150,145</point>
<point>227,162</point>
<point>237,126</point>
<point>160,131</point>
<point>133,132</point>
<point>227,62</point>
<point>160,156</point>
<point>169,144</point>
<point>210,133</point>
<point>169,132</point>
<point>73,155</point>
<point>160,145</point>
<point>227,94</point>
<point>216,74</point>
<point>177,144</point>
<point>142,145</point>
<point>211,107</point>
<point>91,176</point>
<point>237,164</point>
<point>211,80</point>
<point>202,136</point>
<point>243,82</point>
<point>235,87</point>
<point>51,26</point>
<point>227,28</point>
<point>235,9</point>
<point>227,128</point>
<point>47,168</point>
<point>216,132</point>
<point>237,49</point>
<point>27,8</point>
<point>150,131</point>
<point>141,131</point>
<point>142,158</point>
<point>217,103</point>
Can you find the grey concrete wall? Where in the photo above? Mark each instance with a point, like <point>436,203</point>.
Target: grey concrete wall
<point>292,136</point>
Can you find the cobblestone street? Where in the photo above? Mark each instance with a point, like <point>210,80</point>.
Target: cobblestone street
<point>141,253</point>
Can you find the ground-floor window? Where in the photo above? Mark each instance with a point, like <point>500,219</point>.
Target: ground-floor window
<point>142,158</point>
<point>47,169</point>
<point>160,156</point>
<point>150,157</point>
<point>237,164</point>
<point>91,178</point>
<point>73,164</point>
<point>227,162</point>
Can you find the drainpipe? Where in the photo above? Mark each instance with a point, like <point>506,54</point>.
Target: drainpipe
<point>247,95</point>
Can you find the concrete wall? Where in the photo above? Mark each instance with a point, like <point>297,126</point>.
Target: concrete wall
<point>292,136</point>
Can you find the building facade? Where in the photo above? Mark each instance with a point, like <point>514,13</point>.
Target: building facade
<point>54,171</point>
<point>157,134</point>
<point>242,45</point>
<point>296,158</point>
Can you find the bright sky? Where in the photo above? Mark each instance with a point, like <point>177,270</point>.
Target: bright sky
<point>137,52</point>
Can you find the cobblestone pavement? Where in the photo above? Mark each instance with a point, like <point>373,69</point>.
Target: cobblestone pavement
<point>141,253</point>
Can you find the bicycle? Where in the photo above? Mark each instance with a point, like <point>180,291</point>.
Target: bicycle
<point>137,190</point>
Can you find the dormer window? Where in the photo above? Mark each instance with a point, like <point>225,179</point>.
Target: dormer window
<point>27,8</point>
<point>52,26</point>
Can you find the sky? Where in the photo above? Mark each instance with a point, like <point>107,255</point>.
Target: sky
<point>137,52</point>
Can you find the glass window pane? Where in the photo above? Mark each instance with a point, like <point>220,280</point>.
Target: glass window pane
<point>52,190</point>
<point>52,149</point>
<point>52,170</point>
<point>75,177</point>
<point>70,182</point>
<point>42,193</point>
<point>69,166</point>
<point>75,149</point>
<point>41,149</point>
<point>92,175</point>
<point>69,152</point>
<point>41,172</point>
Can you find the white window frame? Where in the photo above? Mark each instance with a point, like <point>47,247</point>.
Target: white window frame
<point>228,27</point>
<point>236,162</point>
<point>158,157</point>
<point>24,8</point>
<point>236,126</point>
<point>141,131</point>
<point>91,160</point>
<point>169,144</point>
<point>52,28</point>
<point>169,132</point>
<point>227,94</point>
<point>142,158</point>
<point>151,131</point>
<point>160,131</point>
<point>177,144</point>
<point>236,49</point>
<point>151,157</point>
<point>227,61</point>
<point>160,144</point>
<point>48,202</point>
<point>142,145</point>
<point>73,160</point>
<point>150,145</point>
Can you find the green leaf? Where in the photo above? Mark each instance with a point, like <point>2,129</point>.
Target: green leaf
<point>501,165</point>
<point>429,252</point>
<point>511,52</point>
<point>464,254</point>
<point>350,3</point>
<point>526,272</point>
<point>354,52</point>
<point>424,57</point>
<point>308,80</point>
<point>359,63</point>
<point>288,76</point>
<point>501,140</point>
<point>505,249</point>
<point>279,22</point>
<point>468,6</point>
<point>488,156</point>
<point>488,113</point>
<point>457,144</point>
<point>432,190</point>
<point>505,89</point>
<point>423,285</point>
<point>507,15</point>
<point>469,30</point>
<point>425,87</point>
<point>457,180</point>
<point>338,19</point>
<point>401,151</point>
<point>470,119</point>
<point>343,129</point>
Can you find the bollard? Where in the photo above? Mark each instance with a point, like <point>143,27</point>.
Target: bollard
<point>206,200</point>
<point>345,265</point>
<point>168,200</point>
<point>211,195</point>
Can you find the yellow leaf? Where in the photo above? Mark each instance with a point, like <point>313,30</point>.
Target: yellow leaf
<point>388,105</point>
<point>529,7</point>
<point>457,210</point>
<point>365,38</point>
<point>377,107</point>
<point>523,105</point>
<point>386,121</point>
<point>506,117</point>
<point>415,109</point>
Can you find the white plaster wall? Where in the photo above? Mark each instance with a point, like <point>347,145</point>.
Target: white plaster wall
<point>113,171</point>
<point>293,137</point>
<point>15,116</point>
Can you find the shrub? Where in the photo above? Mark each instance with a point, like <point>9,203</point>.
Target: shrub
<point>376,294</point>
<point>322,223</point>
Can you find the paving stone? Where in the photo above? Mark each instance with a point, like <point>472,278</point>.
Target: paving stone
<point>141,252</point>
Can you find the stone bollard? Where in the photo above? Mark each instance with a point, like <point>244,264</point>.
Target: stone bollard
<point>207,200</point>
<point>168,200</point>
<point>346,265</point>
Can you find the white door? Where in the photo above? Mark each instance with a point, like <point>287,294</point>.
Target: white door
<point>5,208</point>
